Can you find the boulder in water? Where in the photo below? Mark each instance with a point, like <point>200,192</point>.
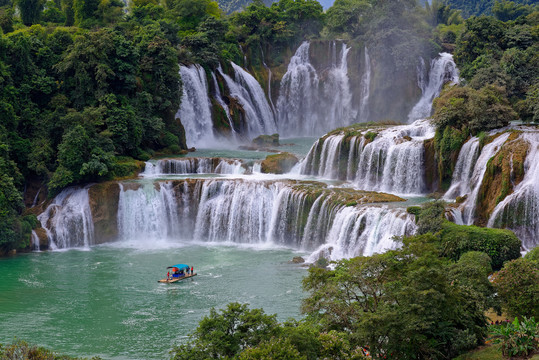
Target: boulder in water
<point>298,260</point>
<point>264,141</point>
<point>279,163</point>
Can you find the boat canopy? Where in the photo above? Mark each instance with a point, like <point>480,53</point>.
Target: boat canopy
<point>179,266</point>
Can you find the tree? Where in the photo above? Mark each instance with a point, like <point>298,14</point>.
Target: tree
<point>226,333</point>
<point>30,10</point>
<point>517,285</point>
<point>405,303</point>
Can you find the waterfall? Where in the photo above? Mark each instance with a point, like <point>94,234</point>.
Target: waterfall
<point>460,183</point>
<point>68,220</point>
<point>476,178</point>
<point>35,241</point>
<point>442,70</point>
<point>184,166</point>
<point>336,102</point>
<point>304,106</point>
<point>297,94</point>
<point>250,95</point>
<point>391,162</point>
<point>519,211</point>
<point>365,231</point>
<point>195,108</point>
<point>222,103</point>
<point>422,75</point>
<point>263,213</point>
<point>149,212</point>
<point>365,88</point>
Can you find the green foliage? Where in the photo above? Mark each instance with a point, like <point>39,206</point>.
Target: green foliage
<point>505,10</point>
<point>517,285</point>
<point>22,350</point>
<point>477,110</point>
<point>518,338</point>
<point>482,7</point>
<point>30,10</point>
<point>500,245</point>
<point>226,333</point>
<point>430,217</point>
<point>272,349</point>
<point>407,303</point>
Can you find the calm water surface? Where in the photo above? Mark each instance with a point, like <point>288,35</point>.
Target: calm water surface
<point>106,301</point>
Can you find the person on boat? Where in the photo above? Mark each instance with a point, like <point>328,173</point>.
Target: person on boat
<point>168,275</point>
<point>192,273</point>
<point>187,270</point>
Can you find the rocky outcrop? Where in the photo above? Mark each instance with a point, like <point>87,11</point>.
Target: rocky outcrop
<point>104,207</point>
<point>279,163</point>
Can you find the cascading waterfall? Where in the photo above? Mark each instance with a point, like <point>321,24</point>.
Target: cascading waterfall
<point>337,98</point>
<point>380,224</point>
<point>297,94</point>
<point>264,213</point>
<point>304,107</point>
<point>519,211</point>
<point>195,108</point>
<point>392,162</point>
<point>247,91</point>
<point>148,212</point>
<point>365,88</point>
<point>476,178</point>
<point>460,183</point>
<point>68,220</point>
<point>35,241</point>
<point>442,70</point>
<point>184,166</point>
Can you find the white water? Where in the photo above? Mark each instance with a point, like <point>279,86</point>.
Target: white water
<point>365,89</point>
<point>195,108</point>
<point>307,107</point>
<point>519,211</point>
<point>460,183</point>
<point>476,178</point>
<point>260,213</point>
<point>380,224</point>
<point>442,70</point>
<point>392,162</point>
<point>148,213</point>
<point>184,166</point>
<point>35,241</point>
<point>247,91</point>
<point>68,220</point>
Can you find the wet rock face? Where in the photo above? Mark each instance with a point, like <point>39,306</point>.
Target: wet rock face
<point>104,208</point>
<point>504,172</point>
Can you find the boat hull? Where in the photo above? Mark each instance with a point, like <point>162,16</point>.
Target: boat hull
<point>175,280</point>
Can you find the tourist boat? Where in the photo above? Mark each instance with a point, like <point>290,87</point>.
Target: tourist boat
<point>177,272</point>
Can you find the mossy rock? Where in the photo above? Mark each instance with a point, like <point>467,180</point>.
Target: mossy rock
<point>104,199</point>
<point>504,171</point>
<point>279,163</point>
<point>264,141</point>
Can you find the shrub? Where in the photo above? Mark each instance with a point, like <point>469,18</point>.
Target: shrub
<point>500,245</point>
<point>517,285</point>
<point>518,338</point>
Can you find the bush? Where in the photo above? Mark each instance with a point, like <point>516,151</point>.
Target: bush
<point>517,285</point>
<point>500,245</point>
<point>518,338</point>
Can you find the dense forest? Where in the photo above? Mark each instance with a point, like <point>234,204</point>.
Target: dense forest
<point>90,89</point>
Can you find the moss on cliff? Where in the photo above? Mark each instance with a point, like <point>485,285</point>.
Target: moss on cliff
<point>104,199</point>
<point>504,171</point>
<point>279,163</point>
<point>447,144</point>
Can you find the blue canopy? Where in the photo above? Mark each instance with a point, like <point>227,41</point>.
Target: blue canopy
<point>179,266</point>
